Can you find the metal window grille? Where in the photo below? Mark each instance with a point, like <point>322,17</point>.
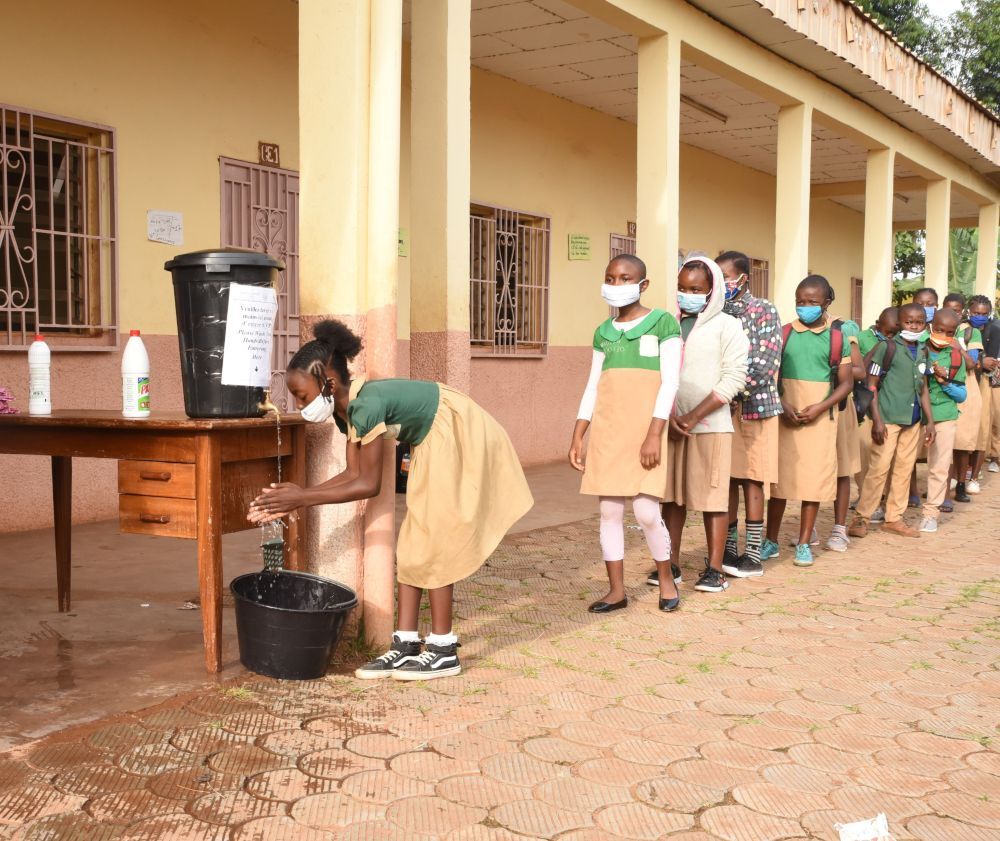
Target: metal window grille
<point>58,231</point>
<point>620,244</point>
<point>759,278</point>
<point>856,286</point>
<point>509,279</point>
<point>260,210</point>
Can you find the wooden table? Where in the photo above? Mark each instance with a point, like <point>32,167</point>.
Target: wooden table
<point>177,477</point>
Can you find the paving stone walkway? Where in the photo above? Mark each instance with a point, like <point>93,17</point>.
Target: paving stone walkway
<point>866,684</point>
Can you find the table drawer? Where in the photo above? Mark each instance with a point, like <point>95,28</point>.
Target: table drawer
<point>156,478</point>
<point>157,515</point>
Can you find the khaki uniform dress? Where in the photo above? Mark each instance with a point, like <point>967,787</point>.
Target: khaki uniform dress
<point>807,466</point>
<point>626,394</point>
<point>465,487</point>
<point>971,411</point>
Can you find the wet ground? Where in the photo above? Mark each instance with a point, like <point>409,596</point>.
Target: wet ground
<point>868,683</point>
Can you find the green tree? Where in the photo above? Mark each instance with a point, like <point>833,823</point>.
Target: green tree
<point>909,253</point>
<point>974,33</point>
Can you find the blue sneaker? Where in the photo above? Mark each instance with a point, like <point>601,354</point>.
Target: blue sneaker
<point>803,555</point>
<point>768,550</point>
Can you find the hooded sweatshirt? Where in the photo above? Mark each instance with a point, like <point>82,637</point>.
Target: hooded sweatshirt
<point>714,358</point>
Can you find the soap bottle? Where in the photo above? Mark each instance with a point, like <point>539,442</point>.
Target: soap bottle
<point>39,377</point>
<point>135,378</point>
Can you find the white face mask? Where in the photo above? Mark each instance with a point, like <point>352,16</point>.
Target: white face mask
<point>622,295</point>
<point>909,335</point>
<point>321,409</point>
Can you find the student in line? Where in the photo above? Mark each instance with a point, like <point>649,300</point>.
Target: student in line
<point>755,413</point>
<point>465,487</point>
<point>626,406</point>
<point>884,329</point>
<point>946,385</point>
<point>811,384</point>
<point>970,341</point>
<point>980,309</point>
<point>848,441</point>
<point>896,372</point>
<point>713,372</point>
<point>926,297</point>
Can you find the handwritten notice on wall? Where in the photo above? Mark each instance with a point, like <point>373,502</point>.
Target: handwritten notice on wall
<point>249,330</point>
<point>165,226</point>
<point>579,247</point>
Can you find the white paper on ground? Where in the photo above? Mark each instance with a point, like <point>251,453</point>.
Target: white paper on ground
<point>249,332</point>
<point>873,829</point>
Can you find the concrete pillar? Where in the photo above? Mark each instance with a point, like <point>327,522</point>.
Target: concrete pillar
<point>791,229</point>
<point>986,260</point>
<point>938,231</point>
<point>440,192</point>
<point>385,75</point>
<point>876,291</point>
<point>658,165</point>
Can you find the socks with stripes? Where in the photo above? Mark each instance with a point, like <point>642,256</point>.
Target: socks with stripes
<point>732,546</point>
<point>755,532</point>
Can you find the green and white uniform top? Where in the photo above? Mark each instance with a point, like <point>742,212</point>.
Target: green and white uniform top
<point>396,409</point>
<point>651,343</point>
<point>943,406</point>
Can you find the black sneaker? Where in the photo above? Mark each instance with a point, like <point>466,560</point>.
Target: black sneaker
<point>384,665</point>
<point>436,661</point>
<point>745,567</point>
<point>960,493</point>
<point>653,579</point>
<point>711,581</point>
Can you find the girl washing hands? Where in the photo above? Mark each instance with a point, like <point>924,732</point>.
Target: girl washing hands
<point>465,487</point>
<point>626,406</point>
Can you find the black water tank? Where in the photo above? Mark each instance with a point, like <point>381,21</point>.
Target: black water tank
<point>201,296</point>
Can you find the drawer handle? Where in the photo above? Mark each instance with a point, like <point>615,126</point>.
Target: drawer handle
<point>154,518</point>
<point>152,476</point>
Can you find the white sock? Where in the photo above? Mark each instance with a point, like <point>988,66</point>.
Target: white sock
<point>407,636</point>
<point>441,639</point>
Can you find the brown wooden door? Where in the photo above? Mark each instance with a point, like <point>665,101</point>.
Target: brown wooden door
<point>260,210</point>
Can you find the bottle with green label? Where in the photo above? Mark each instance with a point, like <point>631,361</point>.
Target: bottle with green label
<point>135,378</point>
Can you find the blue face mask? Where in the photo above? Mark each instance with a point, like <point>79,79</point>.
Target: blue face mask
<point>929,312</point>
<point>878,334</point>
<point>807,315</point>
<point>979,321</point>
<point>691,303</point>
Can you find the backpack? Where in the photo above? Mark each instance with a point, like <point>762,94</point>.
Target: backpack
<point>863,396</point>
<point>955,363</point>
<point>836,351</point>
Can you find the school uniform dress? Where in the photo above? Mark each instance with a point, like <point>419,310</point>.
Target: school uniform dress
<point>627,390</point>
<point>807,469</point>
<point>867,339</point>
<point>756,408</point>
<point>848,433</point>
<point>898,397</point>
<point>714,362</point>
<point>944,410</point>
<point>465,487</point>
<point>970,413</point>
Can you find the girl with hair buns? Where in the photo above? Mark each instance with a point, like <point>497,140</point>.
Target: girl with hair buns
<point>465,487</point>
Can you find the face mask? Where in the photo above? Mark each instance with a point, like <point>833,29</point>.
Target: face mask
<point>733,287</point>
<point>810,314</point>
<point>691,303</point>
<point>979,321</point>
<point>939,340</point>
<point>878,334</point>
<point>929,312</point>
<point>321,409</point>
<point>910,335</point>
<point>621,296</point>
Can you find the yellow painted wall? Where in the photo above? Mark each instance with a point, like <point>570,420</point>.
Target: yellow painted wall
<point>182,83</point>
<point>836,251</point>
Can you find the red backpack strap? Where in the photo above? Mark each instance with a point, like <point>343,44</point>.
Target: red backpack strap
<point>956,363</point>
<point>836,344</point>
<point>786,331</point>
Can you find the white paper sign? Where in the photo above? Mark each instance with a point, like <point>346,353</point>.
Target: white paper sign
<point>874,829</point>
<point>165,226</point>
<point>249,330</point>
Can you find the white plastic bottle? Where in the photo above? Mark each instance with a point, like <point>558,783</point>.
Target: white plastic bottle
<point>39,377</point>
<point>135,378</point>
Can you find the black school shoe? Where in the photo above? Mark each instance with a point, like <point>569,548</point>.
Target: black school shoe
<point>711,581</point>
<point>743,567</point>
<point>436,661</point>
<point>653,579</point>
<point>608,607</point>
<point>960,493</point>
<point>384,665</point>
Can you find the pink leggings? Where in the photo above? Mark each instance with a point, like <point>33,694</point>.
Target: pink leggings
<point>647,512</point>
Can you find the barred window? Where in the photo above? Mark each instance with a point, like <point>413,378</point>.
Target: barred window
<point>58,231</point>
<point>509,277</point>
<point>759,278</point>
<point>620,244</point>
